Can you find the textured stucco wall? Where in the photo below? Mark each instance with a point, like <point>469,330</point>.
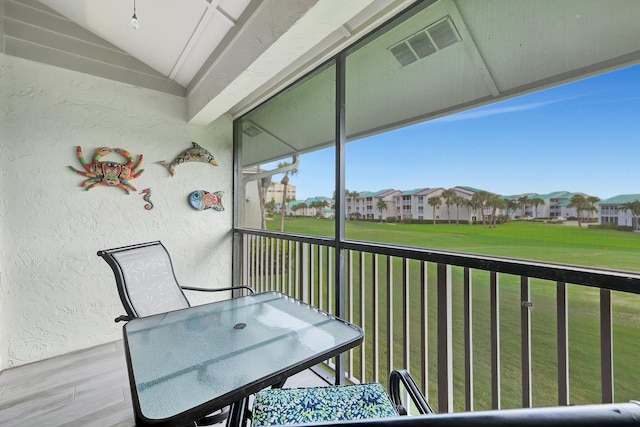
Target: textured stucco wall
<point>56,295</point>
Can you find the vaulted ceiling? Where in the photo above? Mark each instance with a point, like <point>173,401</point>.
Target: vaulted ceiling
<point>222,55</point>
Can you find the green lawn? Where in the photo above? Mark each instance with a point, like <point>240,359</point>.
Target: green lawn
<point>525,240</point>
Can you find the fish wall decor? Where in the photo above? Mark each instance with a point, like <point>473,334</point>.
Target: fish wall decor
<point>193,154</point>
<point>201,200</point>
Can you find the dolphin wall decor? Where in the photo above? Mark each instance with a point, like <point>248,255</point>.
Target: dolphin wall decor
<point>194,154</point>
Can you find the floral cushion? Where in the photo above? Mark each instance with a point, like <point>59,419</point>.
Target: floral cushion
<point>317,404</point>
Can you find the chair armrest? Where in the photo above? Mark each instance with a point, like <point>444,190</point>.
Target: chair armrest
<point>123,318</point>
<point>232,288</point>
<point>401,375</point>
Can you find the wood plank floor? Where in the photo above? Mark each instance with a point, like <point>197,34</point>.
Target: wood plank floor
<point>85,388</point>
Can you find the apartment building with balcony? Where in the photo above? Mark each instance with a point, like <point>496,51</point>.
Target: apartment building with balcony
<point>366,205</point>
<point>552,205</point>
<point>613,211</point>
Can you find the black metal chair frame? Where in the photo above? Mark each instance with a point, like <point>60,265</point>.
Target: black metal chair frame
<point>402,376</point>
<point>129,307</point>
<point>122,287</point>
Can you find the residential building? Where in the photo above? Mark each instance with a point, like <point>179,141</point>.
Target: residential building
<point>275,190</point>
<point>366,205</point>
<point>411,204</point>
<point>554,205</point>
<point>611,210</point>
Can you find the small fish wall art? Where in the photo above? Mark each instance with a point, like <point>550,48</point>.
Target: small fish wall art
<point>201,200</point>
<point>194,154</point>
<point>147,198</point>
<point>112,174</point>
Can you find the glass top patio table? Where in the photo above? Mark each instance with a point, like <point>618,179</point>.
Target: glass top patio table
<point>188,363</point>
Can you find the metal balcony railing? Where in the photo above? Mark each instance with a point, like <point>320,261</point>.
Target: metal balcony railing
<point>477,332</point>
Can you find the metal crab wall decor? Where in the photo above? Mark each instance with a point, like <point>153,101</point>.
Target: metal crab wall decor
<point>112,174</point>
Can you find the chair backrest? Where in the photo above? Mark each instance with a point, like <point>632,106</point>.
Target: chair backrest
<point>145,279</point>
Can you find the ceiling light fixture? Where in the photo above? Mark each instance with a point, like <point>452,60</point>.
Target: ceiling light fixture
<point>134,18</point>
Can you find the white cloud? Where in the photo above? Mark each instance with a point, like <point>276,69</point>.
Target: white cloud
<point>492,111</point>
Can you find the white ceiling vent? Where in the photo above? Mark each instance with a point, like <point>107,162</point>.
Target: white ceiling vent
<point>428,41</point>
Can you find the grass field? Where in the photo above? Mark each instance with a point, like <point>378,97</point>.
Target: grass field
<point>525,240</point>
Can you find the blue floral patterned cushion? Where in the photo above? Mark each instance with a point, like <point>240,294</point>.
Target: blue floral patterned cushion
<point>317,404</point>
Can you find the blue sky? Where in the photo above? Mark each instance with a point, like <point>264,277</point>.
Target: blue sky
<point>580,137</point>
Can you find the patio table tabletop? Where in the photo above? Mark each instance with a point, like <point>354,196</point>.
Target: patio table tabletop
<point>188,363</point>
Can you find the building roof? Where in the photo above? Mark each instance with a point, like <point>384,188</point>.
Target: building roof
<point>427,191</point>
<point>380,193</point>
<point>412,192</point>
<point>552,195</point>
<point>619,199</point>
<point>318,199</point>
<point>471,189</point>
<point>517,196</point>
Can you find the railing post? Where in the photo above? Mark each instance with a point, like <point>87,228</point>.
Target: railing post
<point>563,344</point>
<point>349,266</point>
<point>406,314</point>
<point>312,276</point>
<point>495,340</point>
<point>445,340</point>
<point>525,334</point>
<point>363,322</point>
<point>424,359</point>
<point>376,317</point>
<point>468,340</point>
<point>304,272</point>
<point>390,339</point>
<point>606,346</point>
<point>340,136</point>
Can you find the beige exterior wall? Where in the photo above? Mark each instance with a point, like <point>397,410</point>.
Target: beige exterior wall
<point>274,191</point>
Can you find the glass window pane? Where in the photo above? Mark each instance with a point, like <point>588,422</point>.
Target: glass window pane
<point>432,156</point>
<point>288,157</point>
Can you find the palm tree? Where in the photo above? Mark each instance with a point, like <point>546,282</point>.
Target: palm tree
<point>578,201</point>
<point>434,202</point>
<point>270,207</point>
<point>447,196</point>
<point>592,200</point>
<point>582,204</point>
<point>295,208</point>
<point>458,201</point>
<point>480,200</point>
<point>285,183</point>
<point>494,202</point>
<point>471,205</point>
<point>634,207</point>
<point>510,205</point>
<point>263,184</point>
<point>351,196</point>
<point>320,205</point>
<point>535,202</point>
<point>524,202</point>
<point>382,206</point>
